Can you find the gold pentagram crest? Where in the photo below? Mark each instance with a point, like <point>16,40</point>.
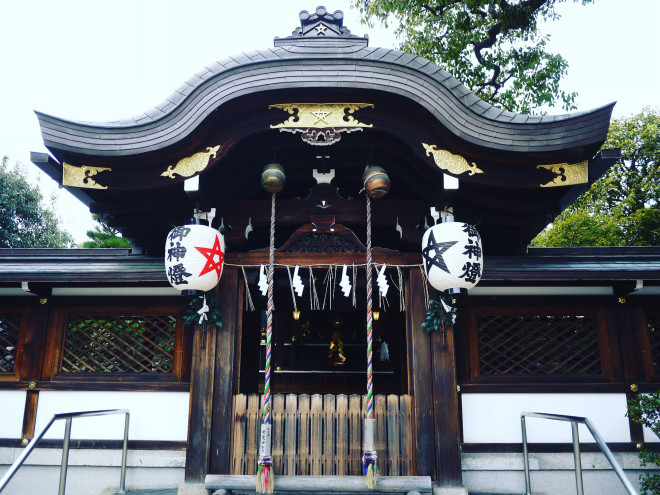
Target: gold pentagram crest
<point>320,124</point>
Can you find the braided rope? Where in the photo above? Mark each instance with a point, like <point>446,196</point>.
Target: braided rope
<point>269,316</point>
<point>370,399</point>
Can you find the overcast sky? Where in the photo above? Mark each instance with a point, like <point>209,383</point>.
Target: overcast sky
<point>97,61</point>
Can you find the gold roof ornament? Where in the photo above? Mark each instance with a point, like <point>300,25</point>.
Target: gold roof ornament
<point>454,164</point>
<point>190,165</point>
<point>73,176</point>
<point>567,174</point>
<point>320,124</point>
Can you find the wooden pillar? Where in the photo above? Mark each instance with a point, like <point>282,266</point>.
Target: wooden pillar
<point>420,378</point>
<point>198,449</point>
<point>227,364</point>
<point>445,398</point>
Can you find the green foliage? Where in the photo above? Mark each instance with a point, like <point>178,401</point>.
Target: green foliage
<point>492,46</point>
<point>644,409</point>
<point>437,317</point>
<point>622,208</point>
<point>104,236</point>
<point>24,221</point>
<point>213,315</point>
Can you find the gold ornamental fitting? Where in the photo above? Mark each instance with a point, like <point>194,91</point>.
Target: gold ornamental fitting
<point>32,385</point>
<point>634,387</point>
<point>376,182</point>
<point>273,178</point>
<point>25,442</point>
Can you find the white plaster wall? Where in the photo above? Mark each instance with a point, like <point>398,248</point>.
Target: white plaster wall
<point>649,436</point>
<point>495,418</point>
<point>93,472</point>
<point>12,408</point>
<point>153,415</point>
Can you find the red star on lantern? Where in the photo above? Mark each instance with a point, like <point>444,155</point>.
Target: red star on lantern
<point>210,255</point>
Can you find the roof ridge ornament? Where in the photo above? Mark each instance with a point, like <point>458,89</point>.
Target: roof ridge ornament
<point>321,24</point>
<point>320,28</point>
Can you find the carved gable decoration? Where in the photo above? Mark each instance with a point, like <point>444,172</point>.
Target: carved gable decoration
<point>310,239</point>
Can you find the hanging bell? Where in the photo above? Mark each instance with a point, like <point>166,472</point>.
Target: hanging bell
<point>376,182</point>
<point>273,178</point>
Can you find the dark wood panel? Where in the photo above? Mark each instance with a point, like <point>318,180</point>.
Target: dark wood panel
<point>420,382</point>
<point>225,364</point>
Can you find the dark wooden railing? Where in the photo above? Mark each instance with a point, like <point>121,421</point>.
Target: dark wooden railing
<point>322,435</point>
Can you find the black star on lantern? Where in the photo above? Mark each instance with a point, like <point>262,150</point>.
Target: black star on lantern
<point>438,248</point>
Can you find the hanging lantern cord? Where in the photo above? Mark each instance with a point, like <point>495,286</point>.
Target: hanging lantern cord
<point>369,457</point>
<point>264,476</point>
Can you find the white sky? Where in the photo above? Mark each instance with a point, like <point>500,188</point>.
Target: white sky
<point>102,60</point>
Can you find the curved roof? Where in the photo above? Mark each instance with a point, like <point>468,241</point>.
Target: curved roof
<point>338,61</point>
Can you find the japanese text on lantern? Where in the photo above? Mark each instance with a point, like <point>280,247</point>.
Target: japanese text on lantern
<point>176,273</point>
<point>472,269</point>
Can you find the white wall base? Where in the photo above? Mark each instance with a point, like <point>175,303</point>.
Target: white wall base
<point>93,472</point>
<point>551,473</point>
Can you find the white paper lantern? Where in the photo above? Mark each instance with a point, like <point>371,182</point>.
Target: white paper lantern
<point>194,257</point>
<point>452,256</point>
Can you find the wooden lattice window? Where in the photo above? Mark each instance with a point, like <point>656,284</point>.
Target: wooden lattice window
<point>98,343</point>
<point>653,329</point>
<point>9,325</point>
<point>542,344</point>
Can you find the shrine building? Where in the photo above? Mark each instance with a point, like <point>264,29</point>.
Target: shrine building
<point>554,330</point>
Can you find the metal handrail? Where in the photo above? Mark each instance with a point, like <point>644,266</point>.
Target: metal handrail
<point>65,447</point>
<point>574,420</point>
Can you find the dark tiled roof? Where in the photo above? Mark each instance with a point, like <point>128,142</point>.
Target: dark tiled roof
<point>297,62</point>
<point>108,266</point>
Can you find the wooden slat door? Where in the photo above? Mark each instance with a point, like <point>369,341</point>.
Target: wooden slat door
<point>322,435</point>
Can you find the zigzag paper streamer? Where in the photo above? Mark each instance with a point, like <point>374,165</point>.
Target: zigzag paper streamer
<point>297,282</point>
<point>263,281</point>
<point>345,282</point>
<point>383,286</point>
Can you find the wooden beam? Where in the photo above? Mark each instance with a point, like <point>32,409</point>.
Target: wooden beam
<point>380,255</point>
<point>198,451</point>
<point>420,384</point>
<point>30,414</point>
<point>445,407</point>
<point>228,340</point>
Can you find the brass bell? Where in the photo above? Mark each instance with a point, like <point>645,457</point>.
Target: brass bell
<point>273,178</point>
<point>376,182</point>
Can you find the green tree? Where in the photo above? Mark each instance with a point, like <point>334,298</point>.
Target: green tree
<point>492,46</point>
<point>104,236</point>
<point>24,221</point>
<point>644,409</point>
<point>622,208</point>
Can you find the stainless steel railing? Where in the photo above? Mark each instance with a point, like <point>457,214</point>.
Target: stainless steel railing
<point>68,417</point>
<point>574,420</point>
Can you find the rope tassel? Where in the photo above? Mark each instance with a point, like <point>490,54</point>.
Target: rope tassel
<point>370,456</point>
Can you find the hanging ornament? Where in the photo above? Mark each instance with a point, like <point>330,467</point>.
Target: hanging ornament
<point>345,282</point>
<point>263,281</point>
<point>376,182</point>
<point>203,311</point>
<point>381,280</point>
<point>452,256</point>
<point>384,352</point>
<point>273,178</point>
<point>194,256</point>
<point>297,282</point>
